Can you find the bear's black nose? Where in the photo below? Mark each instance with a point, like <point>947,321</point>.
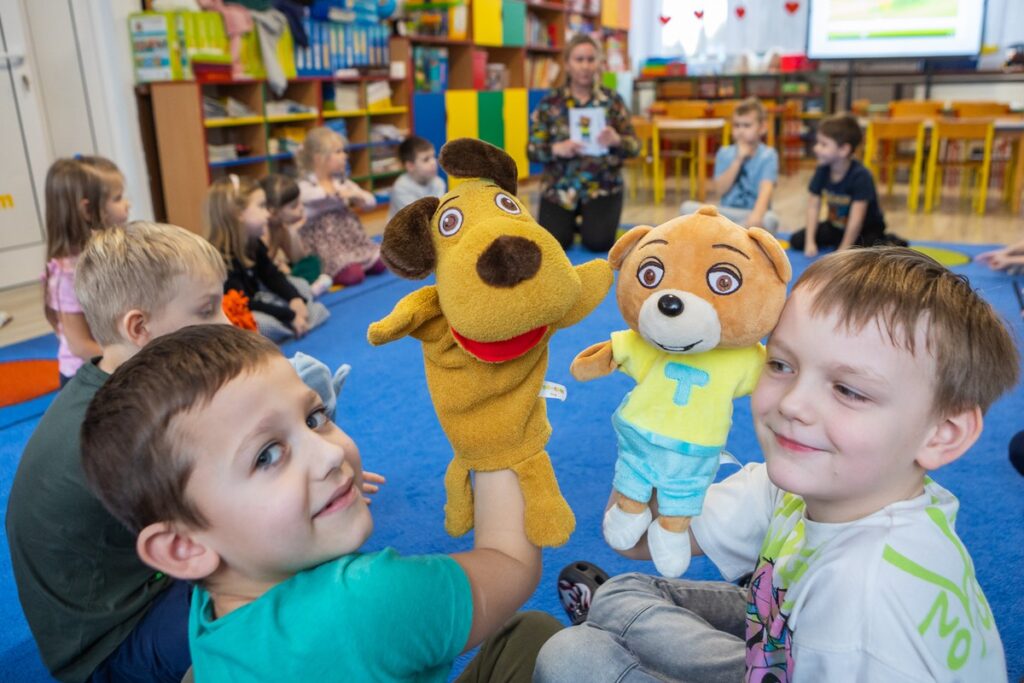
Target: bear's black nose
<point>671,305</point>
<point>508,261</point>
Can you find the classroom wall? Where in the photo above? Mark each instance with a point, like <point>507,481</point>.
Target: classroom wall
<point>82,58</point>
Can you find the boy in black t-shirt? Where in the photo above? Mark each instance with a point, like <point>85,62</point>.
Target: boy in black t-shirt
<point>846,186</point>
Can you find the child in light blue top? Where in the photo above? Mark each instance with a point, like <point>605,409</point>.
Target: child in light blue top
<point>745,171</point>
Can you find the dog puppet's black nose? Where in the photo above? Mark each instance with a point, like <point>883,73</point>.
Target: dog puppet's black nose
<point>671,305</point>
<point>508,261</point>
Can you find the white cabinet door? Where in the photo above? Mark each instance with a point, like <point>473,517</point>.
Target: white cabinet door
<point>23,156</point>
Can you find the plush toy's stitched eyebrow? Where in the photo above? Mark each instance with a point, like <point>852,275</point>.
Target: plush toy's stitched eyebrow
<point>450,199</point>
<point>730,248</point>
<point>653,242</point>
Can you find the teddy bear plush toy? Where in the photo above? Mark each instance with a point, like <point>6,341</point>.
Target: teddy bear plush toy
<point>698,293</point>
<point>503,287</point>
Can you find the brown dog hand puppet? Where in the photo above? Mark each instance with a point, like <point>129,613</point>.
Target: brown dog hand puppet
<point>697,292</point>
<point>504,286</point>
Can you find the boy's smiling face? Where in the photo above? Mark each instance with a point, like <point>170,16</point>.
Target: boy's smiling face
<point>843,414</point>
<point>279,484</point>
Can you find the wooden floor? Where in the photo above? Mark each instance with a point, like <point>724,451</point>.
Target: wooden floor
<point>951,221</point>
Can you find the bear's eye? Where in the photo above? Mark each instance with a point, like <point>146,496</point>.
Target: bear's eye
<point>451,221</point>
<point>650,273</point>
<point>507,204</point>
<point>724,279</point>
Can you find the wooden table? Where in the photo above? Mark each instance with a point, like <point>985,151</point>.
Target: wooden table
<point>696,129</point>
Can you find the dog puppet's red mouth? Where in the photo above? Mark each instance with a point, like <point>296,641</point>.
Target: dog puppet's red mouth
<point>501,351</point>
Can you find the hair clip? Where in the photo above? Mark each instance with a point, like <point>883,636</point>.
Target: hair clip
<point>77,156</point>
<point>234,181</point>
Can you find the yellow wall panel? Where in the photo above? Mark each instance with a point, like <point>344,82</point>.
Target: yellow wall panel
<point>517,128</point>
<point>487,23</point>
<point>609,13</point>
<point>462,119</point>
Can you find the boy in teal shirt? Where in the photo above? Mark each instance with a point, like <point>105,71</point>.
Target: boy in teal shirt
<point>208,445</point>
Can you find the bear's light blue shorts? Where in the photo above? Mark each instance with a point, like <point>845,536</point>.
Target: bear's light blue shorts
<point>679,470</point>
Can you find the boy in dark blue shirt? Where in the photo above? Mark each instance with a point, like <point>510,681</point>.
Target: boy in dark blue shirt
<point>846,186</point>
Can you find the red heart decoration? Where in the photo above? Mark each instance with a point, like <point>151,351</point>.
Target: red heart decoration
<point>699,14</point>
<point>664,20</point>
<point>741,11</point>
<point>792,7</point>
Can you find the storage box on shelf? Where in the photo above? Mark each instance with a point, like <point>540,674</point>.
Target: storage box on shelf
<point>254,132</point>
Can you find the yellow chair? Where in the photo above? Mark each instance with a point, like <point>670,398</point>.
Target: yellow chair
<point>641,165</point>
<point>723,109</point>
<point>682,109</point>
<point>915,109</point>
<point>885,135</point>
<point>963,130</point>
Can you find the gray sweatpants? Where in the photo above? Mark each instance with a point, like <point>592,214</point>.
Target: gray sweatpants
<point>771,220</point>
<point>277,331</point>
<point>643,629</point>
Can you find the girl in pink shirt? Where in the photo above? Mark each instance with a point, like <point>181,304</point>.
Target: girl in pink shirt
<point>82,194</point>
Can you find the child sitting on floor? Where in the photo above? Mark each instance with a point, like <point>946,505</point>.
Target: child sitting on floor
<point>287,216</point>
<point>845,185</point>
<point>332,230</point>
<point>745,171</point>
<point>879,371</point>
<point>420,178</point>
<point>237,220</point>
<point>209,447</point>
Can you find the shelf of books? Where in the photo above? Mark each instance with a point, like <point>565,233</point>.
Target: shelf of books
<point>207,129</point>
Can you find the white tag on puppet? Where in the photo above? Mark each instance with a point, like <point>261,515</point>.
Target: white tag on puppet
<point>553,390</point>
<point>727,458</point>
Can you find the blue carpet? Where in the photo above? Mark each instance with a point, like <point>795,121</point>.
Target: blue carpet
<point>386,408</point>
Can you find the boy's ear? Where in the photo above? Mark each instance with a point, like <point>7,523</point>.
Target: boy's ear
<point>174,552</point>
<point>953,436</point>
<point>134,328</point>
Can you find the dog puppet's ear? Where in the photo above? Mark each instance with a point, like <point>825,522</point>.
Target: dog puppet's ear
<point>471,158</point>
<point>773,251</point>
<point>624,245</point>
<point>407,248</point>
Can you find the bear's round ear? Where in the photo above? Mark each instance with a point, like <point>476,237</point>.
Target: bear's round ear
<point>407,248</point>
<point>771,248</point>
<point>624,245</point>
<point>471,158</point>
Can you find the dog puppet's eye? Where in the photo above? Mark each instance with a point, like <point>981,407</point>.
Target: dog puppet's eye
<point>724,279</point>
<point>451,221</point>
<point>506,203</point>
<point>650,273</point>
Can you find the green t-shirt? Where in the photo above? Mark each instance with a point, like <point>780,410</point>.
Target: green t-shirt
<point>372,617</point>
<point>81,584</point>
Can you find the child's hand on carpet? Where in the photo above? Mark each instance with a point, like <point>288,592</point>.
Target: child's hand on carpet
<point>371,482</point>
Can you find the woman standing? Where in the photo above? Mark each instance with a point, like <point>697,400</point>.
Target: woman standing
<point>576,183</point>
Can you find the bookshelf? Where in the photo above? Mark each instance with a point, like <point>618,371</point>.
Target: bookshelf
<point>485,82</point>
<point>194,148</point>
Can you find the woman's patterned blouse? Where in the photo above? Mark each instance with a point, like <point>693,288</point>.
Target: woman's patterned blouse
<point>566,182</point>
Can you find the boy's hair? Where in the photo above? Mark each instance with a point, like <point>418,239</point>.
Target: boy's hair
<point>135,266</point>
<point>318,141</point>
<point>976,360</point>
<point>225,202</point>
<point>844,129</point>
<point>68,182</point>
<point>411,148</point>
<point>281,190</point>
<point>132,453</point>
<point>751,105</point>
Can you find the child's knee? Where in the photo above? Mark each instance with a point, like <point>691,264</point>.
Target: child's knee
<point>566,657</point>
<point>620,598</point>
